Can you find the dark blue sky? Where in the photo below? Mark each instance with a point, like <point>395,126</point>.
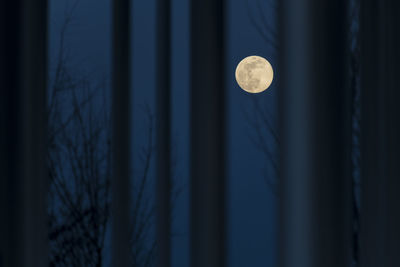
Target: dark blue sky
<point>251,207</point>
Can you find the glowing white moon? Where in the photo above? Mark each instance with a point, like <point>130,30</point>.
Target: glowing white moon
<point>254,74</point>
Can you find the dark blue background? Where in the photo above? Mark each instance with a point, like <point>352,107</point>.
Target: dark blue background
<point>251,205</point>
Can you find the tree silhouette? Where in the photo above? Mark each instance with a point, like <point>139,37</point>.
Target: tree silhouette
<point>79,164</point>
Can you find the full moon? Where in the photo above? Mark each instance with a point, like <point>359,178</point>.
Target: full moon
<point>254,74</point>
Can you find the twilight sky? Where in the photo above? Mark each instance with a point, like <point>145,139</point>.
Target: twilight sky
<point>251,205</point>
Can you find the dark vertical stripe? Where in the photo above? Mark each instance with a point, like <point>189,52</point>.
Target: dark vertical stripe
<point>34,81</point>
<point>380,132</point>
<point>121,141</point>
<point>207,134</point>
<point>11,129</point>
<point>163,132</point>
<point>315,106</point>
<point>23,137</point>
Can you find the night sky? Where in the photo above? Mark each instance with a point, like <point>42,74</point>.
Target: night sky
<point>251,205</point>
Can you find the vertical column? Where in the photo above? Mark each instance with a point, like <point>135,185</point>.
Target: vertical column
<point>380,129</point>
<point>207,134</point>
<point>121,140</point>
<point>315,103</point>
<point>23,135</point>
<point>34,82</point>
<point>11,134</point>
<point>164,132</point>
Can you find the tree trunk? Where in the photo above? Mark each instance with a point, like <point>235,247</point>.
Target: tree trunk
<point>315,110</point>
<point>164,132</point>
<point>121,139</point>
<point>23,133</point>
<point>380,129</point>
<point>207,134</point>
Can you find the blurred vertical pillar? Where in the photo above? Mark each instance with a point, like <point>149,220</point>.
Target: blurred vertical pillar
<point>380,131</point>
<point>315,103</point>
<point>163,132</point>
<point>121,140</point>
<point>207,134</point>
<point>23,183</point>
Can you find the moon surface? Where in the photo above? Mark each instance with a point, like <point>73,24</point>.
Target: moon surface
<point>254,74</point>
